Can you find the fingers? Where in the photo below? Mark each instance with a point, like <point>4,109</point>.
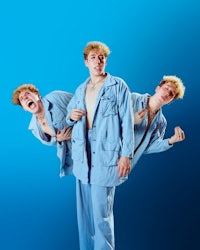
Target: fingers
<point>68,133</point>
<point>122,171</point>
<point>179,133</point>
<point>76,114</point>
<point>124,166</point>
<point>139,116</point>
<point>62,131</point>
<point>142,112</point>
<point>64,134</point>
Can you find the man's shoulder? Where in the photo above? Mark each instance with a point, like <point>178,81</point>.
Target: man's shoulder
<point>137,95</point>
<point>82,86</point>
<point>57,94</point>
<point>113,80</point>
<point>138,98</point>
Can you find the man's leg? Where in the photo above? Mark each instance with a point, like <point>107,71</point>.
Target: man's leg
<point>84,216</point>
<point>103,201</point>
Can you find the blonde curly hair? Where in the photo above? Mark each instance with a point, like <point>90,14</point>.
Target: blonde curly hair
<point>177,82</point>
<point>23,87</point>
<point>96,46</point>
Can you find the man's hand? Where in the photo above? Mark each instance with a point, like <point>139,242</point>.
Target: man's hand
<point>64,134</point>
<point>76,114</point>
<point>178,136</point>
<point>124,166</point>
<point>139,116</point>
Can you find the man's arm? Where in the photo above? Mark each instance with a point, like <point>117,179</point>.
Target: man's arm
<point>127,128</point>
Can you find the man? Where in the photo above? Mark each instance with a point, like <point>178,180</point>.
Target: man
<point>48,123</point>
<point>102,147</point>
<point>150,123</point>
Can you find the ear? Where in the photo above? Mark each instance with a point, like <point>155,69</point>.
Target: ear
<point>86,62</point>
<point>157,88</point>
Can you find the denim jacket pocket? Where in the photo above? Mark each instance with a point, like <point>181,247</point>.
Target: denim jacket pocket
<point>110,153</point>
<point>110,145</point>
<point>77,149</point>
<point>108,106</point>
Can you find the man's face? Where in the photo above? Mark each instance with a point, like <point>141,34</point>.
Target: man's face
<point>29,101</point>
<point>96,63</point>
<point>166,92</point>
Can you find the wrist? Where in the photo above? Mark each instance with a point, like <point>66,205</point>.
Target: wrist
<point>170,142</point>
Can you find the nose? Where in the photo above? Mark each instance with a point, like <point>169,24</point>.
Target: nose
<point>170,94</point>
<point>23,98</point>
<point>97,59</point>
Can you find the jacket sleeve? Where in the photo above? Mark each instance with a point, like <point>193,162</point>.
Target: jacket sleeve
<point>157,142</point>
<point>126,120</point>
<point>73,104</point>
<point>60,98</point>
<point>45,139</point>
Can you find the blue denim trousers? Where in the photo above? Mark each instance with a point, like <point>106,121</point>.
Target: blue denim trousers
<point>95,213</point>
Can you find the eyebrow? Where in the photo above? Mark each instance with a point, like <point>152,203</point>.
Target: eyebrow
<point>24,94</point>
<point>173,92</point>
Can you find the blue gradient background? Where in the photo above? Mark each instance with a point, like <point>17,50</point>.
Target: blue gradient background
<point>41,43</point>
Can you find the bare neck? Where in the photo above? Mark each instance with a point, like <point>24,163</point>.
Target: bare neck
<point>153,105</point>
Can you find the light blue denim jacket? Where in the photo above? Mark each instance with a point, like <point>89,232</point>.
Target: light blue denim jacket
<point>112,132</point>
<point>154,141</point>
<point>55,105</point>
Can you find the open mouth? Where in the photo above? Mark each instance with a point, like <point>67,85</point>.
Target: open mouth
<point>29,104</point>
